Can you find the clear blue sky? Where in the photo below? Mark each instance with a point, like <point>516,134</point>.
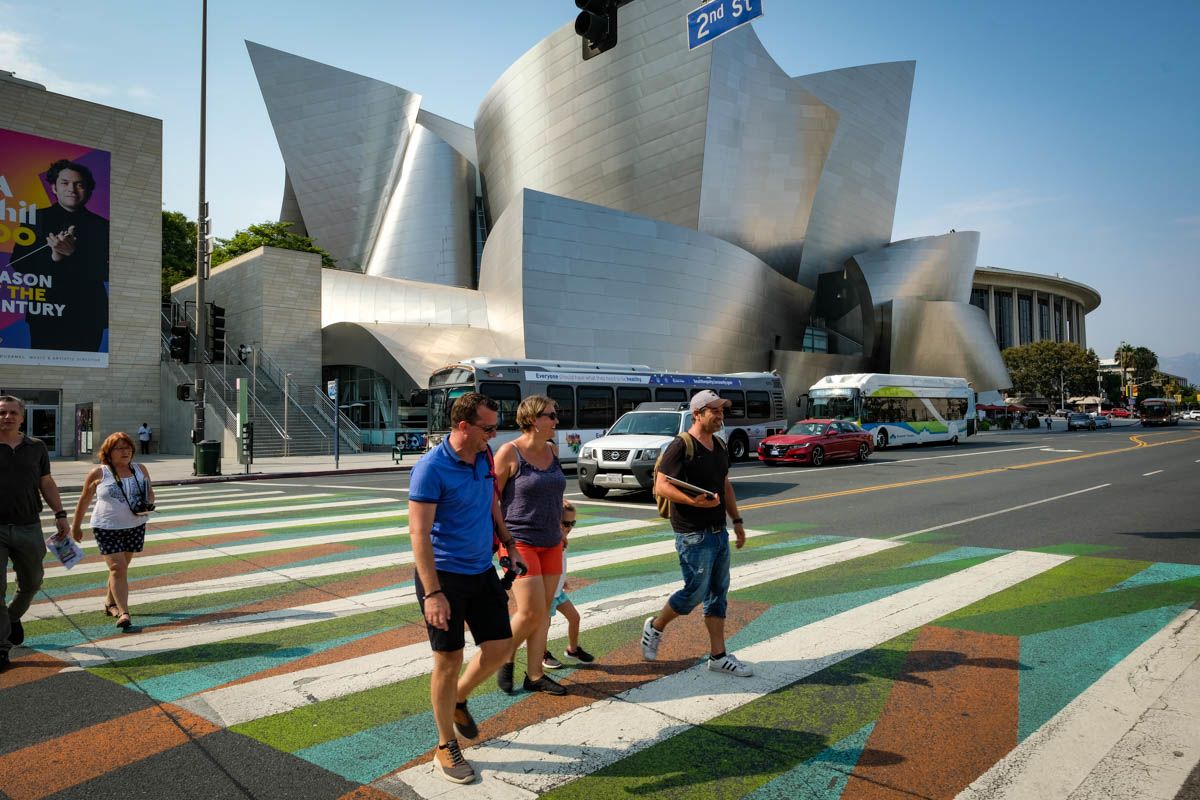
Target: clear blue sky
<point>1067,133</point>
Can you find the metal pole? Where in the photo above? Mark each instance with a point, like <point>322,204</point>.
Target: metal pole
<point>286,437</point>
<point>201,241</point>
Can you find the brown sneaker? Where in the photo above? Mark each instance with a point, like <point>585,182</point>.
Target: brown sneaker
<point>448,761</point>
<point>464,723</point>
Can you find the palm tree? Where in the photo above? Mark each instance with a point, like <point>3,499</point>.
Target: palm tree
<point>1124,357</point>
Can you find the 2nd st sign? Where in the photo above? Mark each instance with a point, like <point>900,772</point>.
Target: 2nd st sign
<point>718,18</point>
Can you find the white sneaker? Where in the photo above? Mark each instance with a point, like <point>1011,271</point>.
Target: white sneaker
<point>730,665</point>
<point>651,636</point>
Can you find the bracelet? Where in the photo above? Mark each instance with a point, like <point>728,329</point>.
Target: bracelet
<point>435,591</point>
<point>737,520</point>
<point>60,514</point>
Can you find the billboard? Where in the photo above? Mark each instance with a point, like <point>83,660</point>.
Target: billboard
<point>54,244</point>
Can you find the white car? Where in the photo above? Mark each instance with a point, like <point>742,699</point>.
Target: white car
<point>1193,414</point>
<point>624,457</point>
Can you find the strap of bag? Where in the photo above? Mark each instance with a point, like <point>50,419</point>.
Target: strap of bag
<point>121,486</point>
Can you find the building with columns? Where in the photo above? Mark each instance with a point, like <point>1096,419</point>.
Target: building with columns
<point>1024,307</point>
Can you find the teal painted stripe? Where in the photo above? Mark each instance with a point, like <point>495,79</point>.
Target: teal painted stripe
<point>823,777</point>
<point>959,553</point>
<point>1158,573</point>
<point>373,753</point>
<point>1058,665</point>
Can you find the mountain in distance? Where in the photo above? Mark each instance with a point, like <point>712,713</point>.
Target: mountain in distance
<point>1187,365</point>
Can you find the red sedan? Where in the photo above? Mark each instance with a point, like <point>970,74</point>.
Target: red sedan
<point>815,441</point>
<point>1123,413</point>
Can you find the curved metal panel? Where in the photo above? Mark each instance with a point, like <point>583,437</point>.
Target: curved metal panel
<point>855,203</point>
<point>925,268</point>
<point>351,297</point>
<point>425,233</point>
<point>944,338</point>
<point>405,354</point>
<point>581,282</point>
<point>341,136</point>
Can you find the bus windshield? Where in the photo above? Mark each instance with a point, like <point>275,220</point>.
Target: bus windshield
<point>837,407</point>
<point>665,424</point>
<point>440,401</point>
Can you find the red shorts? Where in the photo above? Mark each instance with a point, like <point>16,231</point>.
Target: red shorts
<point>541,560</point>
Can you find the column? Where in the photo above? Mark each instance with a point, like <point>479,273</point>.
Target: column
<point>1050,313</point>
<point>1016,319</point>
<point>1082,328</point>
<point>992,309</point>
<point>1037,320</point>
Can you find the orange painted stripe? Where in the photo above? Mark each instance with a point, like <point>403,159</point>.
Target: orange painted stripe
<point>367,793</point>
<point>43,769</point>
<point>29,666</point>
<point>951,715</point>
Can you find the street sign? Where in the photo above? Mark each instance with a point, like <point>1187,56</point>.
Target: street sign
<point>718,18</point>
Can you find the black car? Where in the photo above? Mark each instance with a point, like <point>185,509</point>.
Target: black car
<point>1080,422</point>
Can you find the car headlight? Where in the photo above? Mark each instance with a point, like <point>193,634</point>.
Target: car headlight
<point>585,452</point>
<point>801,446</point>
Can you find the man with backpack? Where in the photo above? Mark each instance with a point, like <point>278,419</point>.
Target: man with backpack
<point>701,459</point>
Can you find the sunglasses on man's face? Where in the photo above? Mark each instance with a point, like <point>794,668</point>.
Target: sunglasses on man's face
<point>568,523</point>
<point>485,428</point>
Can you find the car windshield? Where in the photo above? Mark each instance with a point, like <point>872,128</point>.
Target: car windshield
<point>664,424</point>
<point>1080,416</point>
<point>807,429</point>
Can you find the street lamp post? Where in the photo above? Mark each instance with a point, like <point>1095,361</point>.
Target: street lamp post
<point>286,435</point>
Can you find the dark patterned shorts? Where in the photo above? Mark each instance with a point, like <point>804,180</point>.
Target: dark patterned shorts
<point>124,540</point>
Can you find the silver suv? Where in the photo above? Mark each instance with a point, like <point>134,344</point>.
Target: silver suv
<point>624,457</point>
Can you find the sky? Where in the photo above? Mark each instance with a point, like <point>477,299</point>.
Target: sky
<point>1067,133</point>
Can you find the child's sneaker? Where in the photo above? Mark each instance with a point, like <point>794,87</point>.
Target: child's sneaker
<point>448,762</point>
<point>578,656</point>
<point>730,665</point>
<point>651,636</point>
<point>550,662</point>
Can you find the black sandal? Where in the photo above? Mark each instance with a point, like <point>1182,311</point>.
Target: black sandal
<point>124,621</point>
<point>111,610</point>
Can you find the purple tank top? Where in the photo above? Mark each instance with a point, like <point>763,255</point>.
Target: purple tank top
<point>532,503</point>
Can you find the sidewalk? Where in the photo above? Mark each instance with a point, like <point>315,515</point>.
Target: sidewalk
<point>169,469</point>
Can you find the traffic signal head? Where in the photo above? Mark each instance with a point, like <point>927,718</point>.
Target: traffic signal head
<point>596,25</point>
<point>248,438</point>
<point>180,344</point>
<point>216,329</point>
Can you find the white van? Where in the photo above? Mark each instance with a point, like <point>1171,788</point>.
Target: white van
<point>624,457</point>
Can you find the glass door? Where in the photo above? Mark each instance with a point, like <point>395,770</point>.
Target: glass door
<point>42,423</point>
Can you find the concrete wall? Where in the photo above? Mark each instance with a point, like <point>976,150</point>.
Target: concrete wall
<point>126,393</point>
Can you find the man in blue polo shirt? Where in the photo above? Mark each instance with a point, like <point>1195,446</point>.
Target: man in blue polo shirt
<point>452,513</point>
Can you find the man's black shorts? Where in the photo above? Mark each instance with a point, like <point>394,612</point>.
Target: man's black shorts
<point>476,600</point>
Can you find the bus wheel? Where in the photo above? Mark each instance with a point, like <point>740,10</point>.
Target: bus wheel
<point>881,440</point>
<point>818,457</point>
<point>592,491</point>
<point>738,447</point>
<point>864,451</point>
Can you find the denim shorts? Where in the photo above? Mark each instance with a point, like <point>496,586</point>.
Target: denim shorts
<point>704,560</point>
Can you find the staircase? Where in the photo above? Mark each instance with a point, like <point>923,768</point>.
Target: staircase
<point>290,419</point>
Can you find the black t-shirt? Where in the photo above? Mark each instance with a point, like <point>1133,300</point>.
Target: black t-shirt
<point>21,472</point>
<point>707,469</point>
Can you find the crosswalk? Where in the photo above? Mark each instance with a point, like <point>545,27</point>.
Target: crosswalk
<point>882,667</point>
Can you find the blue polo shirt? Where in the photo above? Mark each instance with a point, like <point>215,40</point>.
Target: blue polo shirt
<point>462,524</point>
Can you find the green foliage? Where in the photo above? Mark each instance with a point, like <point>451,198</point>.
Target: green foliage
<point>178,249</point>
<point>267,234</point>
<point>985,425</point>
<point>1051,368</point>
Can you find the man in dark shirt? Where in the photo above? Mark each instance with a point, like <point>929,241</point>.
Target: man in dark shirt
<point>701,538</point>
<point>24,472</point>
<point>71,249</point>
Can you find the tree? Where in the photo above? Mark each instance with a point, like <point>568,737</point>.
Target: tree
<point>178,249</point>
<point>1051,369</point>
<point>267,234</point>
<point>1124,357</point>
<point>1144,363</point>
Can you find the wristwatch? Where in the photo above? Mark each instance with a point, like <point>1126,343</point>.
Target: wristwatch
<point>737,521</point>
<point>60,514</point>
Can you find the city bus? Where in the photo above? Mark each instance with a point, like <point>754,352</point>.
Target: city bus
<point>590,397</point>
<point>1158,411</point>
<point>897,409</point>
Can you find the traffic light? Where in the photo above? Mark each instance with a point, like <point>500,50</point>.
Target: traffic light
<point>180,344</point>
<point>597,26</point>
<point>216,332</point>
<point>183,391</point>
<point>248,440</point>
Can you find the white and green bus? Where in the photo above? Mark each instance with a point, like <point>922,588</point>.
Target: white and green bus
<point>897,409</point>
<point>590,397</point>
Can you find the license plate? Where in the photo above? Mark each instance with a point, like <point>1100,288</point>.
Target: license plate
<point>613,479</point>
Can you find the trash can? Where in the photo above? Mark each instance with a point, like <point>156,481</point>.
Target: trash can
<point>208,458</point>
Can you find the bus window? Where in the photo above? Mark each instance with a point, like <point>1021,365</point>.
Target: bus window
<point>508,395</point>
<point>628,398</point>
<point>758,405</point>
<point>440,402</point>
<point>597,408</point>
<point>738,409</point>
<point>564,401</point>
<point>665,395</point>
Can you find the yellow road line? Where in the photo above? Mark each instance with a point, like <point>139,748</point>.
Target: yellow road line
<point>1136,439</point>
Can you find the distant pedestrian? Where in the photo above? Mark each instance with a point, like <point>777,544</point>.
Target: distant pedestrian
<point>701,538</point>
<point>124,498</point>
<point>1048,418</point>
<point>24,474</point>
<point>574,654</point>
<point>452,517</point>
<point>144,435</point>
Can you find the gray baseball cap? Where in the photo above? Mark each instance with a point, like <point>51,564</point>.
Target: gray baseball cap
<point>708,398</point>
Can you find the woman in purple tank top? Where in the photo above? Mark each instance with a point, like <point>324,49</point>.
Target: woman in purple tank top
<point>531,485</point>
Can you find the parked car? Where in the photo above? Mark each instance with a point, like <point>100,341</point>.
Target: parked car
<point>1119,413</point>
<point>815,441</point>
<point>624,457</point>
<point>1077,421</point>
<point>1192,414</point>
<point>1102,422</point>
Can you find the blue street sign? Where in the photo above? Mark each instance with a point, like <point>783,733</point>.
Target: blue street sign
<point>718,18</point>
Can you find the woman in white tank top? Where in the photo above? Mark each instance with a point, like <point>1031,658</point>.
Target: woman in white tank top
<point>120,488</point>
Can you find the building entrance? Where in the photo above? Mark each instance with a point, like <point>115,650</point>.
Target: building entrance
<point>42,423</point>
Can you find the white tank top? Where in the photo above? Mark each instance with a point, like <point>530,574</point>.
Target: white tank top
<point>111,512</point>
